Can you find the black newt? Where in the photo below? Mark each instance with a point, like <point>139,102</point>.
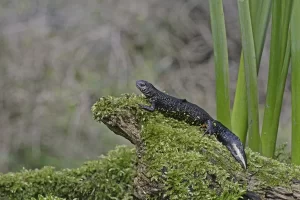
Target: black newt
<point>181,109</point>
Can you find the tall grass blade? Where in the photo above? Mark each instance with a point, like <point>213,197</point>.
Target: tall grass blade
<point>221,61</point>
<point>260,21</point>
<point>281,14</point>
<point>281,86</point>
<point>239,117</point>
<point>260,15</point>
<point>295,43</point>
<point>250,73</point>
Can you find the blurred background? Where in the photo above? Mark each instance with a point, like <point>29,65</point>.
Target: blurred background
<point>57,57</point>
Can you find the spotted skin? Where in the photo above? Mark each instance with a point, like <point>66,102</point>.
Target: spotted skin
<point>179,109</point>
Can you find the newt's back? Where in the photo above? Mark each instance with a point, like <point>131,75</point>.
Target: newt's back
<point>177,108</point>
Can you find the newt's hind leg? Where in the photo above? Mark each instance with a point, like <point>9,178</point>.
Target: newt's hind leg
<point>208,127</point>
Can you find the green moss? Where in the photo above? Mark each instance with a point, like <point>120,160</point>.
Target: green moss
<point>108,178</point>
<point>194,166</point>
<point>48,197</point>
<point>109,105</point>
<point>176,154</point>
<point>271,172</point>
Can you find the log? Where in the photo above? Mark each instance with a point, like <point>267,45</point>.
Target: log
<point>175,160</point>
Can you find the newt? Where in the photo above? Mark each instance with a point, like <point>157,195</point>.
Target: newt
<point>181,109</point>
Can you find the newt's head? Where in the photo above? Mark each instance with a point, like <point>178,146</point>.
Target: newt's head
<point>146,88</point>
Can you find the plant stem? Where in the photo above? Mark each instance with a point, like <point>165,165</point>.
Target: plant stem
<point>260,15</point>
<point>295,43</point>
<point>239,118</point>
<point>281,14</point>
<point>221,61</point>
<point>250,73</point>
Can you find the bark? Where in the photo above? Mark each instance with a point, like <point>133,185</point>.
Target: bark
<point>126,123</point>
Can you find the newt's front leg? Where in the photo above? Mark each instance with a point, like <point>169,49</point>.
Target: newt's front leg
<point>148,108</point>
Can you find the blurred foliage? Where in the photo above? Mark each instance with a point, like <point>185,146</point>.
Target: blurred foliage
<point>110,177</point>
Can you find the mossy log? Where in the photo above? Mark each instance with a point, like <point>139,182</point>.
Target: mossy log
<point>174,160</point>
<point>110,177</point>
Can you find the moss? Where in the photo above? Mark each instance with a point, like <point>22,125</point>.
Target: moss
<point>194,166</point>
<point>48,197</point>
<point>127,104</point>
<point>190,165</point>
<point>271,172</point>
<point>176,154</point>
<point>107,178</point>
